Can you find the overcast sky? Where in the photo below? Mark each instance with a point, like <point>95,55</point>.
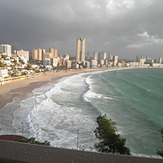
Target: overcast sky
<point>122,27</point>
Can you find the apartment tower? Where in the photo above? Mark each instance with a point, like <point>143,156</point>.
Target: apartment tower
<point>54,52</point>
<point>6,49</point>
<point>80,49</point>
<point>38,54</point>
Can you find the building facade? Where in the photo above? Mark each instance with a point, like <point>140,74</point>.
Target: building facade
<point>23,53</point>
<point>6,49</point>
<point>54,52</point>
<point>38,54</point>
<point>80,49</point>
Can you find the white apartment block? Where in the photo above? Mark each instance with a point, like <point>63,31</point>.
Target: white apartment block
<point>23,54</point>
<point>6,49</point>
<point>4,73</point>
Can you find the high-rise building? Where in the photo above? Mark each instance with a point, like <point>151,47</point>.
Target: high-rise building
<point>95,55</point>
<point>68,64</point>
<point>38,54</point>
<point>54,52</point>
<point>115,60</point>
<point>34,54</point>
<point>6,49</point>
<point>88,56</point>
<point>160,60</point>
<point>55,62</point>
<point>23,53</point>
<point>47,55</point>
<point>80,49</point>
<point>104,55</point>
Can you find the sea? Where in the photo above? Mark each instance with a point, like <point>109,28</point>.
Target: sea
<point>65,113</point>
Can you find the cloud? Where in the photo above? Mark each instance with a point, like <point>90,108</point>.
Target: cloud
<point>29,24</point>
<point>146,39</point>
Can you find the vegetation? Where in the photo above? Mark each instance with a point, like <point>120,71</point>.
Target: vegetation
<point>161,152</point>
<point>2,64</point>
<point>109,140</point>
<point>33,141</point>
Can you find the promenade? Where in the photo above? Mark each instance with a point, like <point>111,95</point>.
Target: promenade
<point>15,152</point>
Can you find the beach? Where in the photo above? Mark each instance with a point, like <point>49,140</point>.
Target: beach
<point>20,88</point>
<point>53,106</point>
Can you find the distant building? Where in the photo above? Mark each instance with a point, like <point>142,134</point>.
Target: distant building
<point>123,62</point>
<point>65,59</point>
<point>37,54</point>
<point>54,52</point>
<point>95,55</point>
<point>94,63</point>
<point>134,64</point>
<point>157,65</point>
<point>23,53</point>
<point>6,49</point>
<point>160,60</point>
<point>115,61</point>
<point>47,55</point>
<point>142,61</point>
<point>80,49</point>
<point>101,63</point>
<point>86,64</point>
<point>55,62</point>
<point>7,62</point>
<point>68,64</point>
<point>47,62</point>
<point>106,62</point>
<point>60,58</point>
<point>3,73</point>
<point>34,54</point>
<point>119,65</point>
<point>88,56</point>
<point>104,55</point>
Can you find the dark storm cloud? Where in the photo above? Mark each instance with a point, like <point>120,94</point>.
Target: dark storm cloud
<point>122,27</point>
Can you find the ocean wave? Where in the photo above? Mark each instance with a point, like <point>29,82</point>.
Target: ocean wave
<point>89,94</point>
<point>145,155</point>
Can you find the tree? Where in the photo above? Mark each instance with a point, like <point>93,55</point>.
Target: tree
<point>33,141</point>
<point>161,152</point>
<point>109,140</point>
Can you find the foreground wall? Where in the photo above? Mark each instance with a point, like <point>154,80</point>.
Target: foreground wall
<point>20,152</point>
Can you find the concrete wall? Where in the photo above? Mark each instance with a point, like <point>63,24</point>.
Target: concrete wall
<point>21,152</point>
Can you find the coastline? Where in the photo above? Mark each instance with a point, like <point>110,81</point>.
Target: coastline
<point>52,79</point>
<point>20,88</point>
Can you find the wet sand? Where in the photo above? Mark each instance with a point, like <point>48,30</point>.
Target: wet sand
<point>20,88</point>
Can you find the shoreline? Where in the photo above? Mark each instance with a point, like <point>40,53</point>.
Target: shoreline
<point>20,88</point>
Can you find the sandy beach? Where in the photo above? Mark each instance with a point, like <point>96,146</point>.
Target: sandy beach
<point>22,87</point>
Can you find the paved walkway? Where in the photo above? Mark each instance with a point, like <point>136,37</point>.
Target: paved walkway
<point>21,152</point>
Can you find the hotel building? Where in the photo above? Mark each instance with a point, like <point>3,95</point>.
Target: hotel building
<point>6,49</point>
<point>80,49</point>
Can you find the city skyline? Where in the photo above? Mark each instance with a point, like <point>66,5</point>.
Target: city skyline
<point>125,28</point>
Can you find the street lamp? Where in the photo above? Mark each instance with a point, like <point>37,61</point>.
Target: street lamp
<point>23,127</point>
<point>77,143</point>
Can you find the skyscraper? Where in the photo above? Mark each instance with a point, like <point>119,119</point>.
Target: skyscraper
<point>80,49</point>
<point>115,60</point>
<point>104,55</point>
<point>38,54</point>
<point>5,48</point>
<point>54,52</point>
<point>160,60</point>
<point>95,55</point>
